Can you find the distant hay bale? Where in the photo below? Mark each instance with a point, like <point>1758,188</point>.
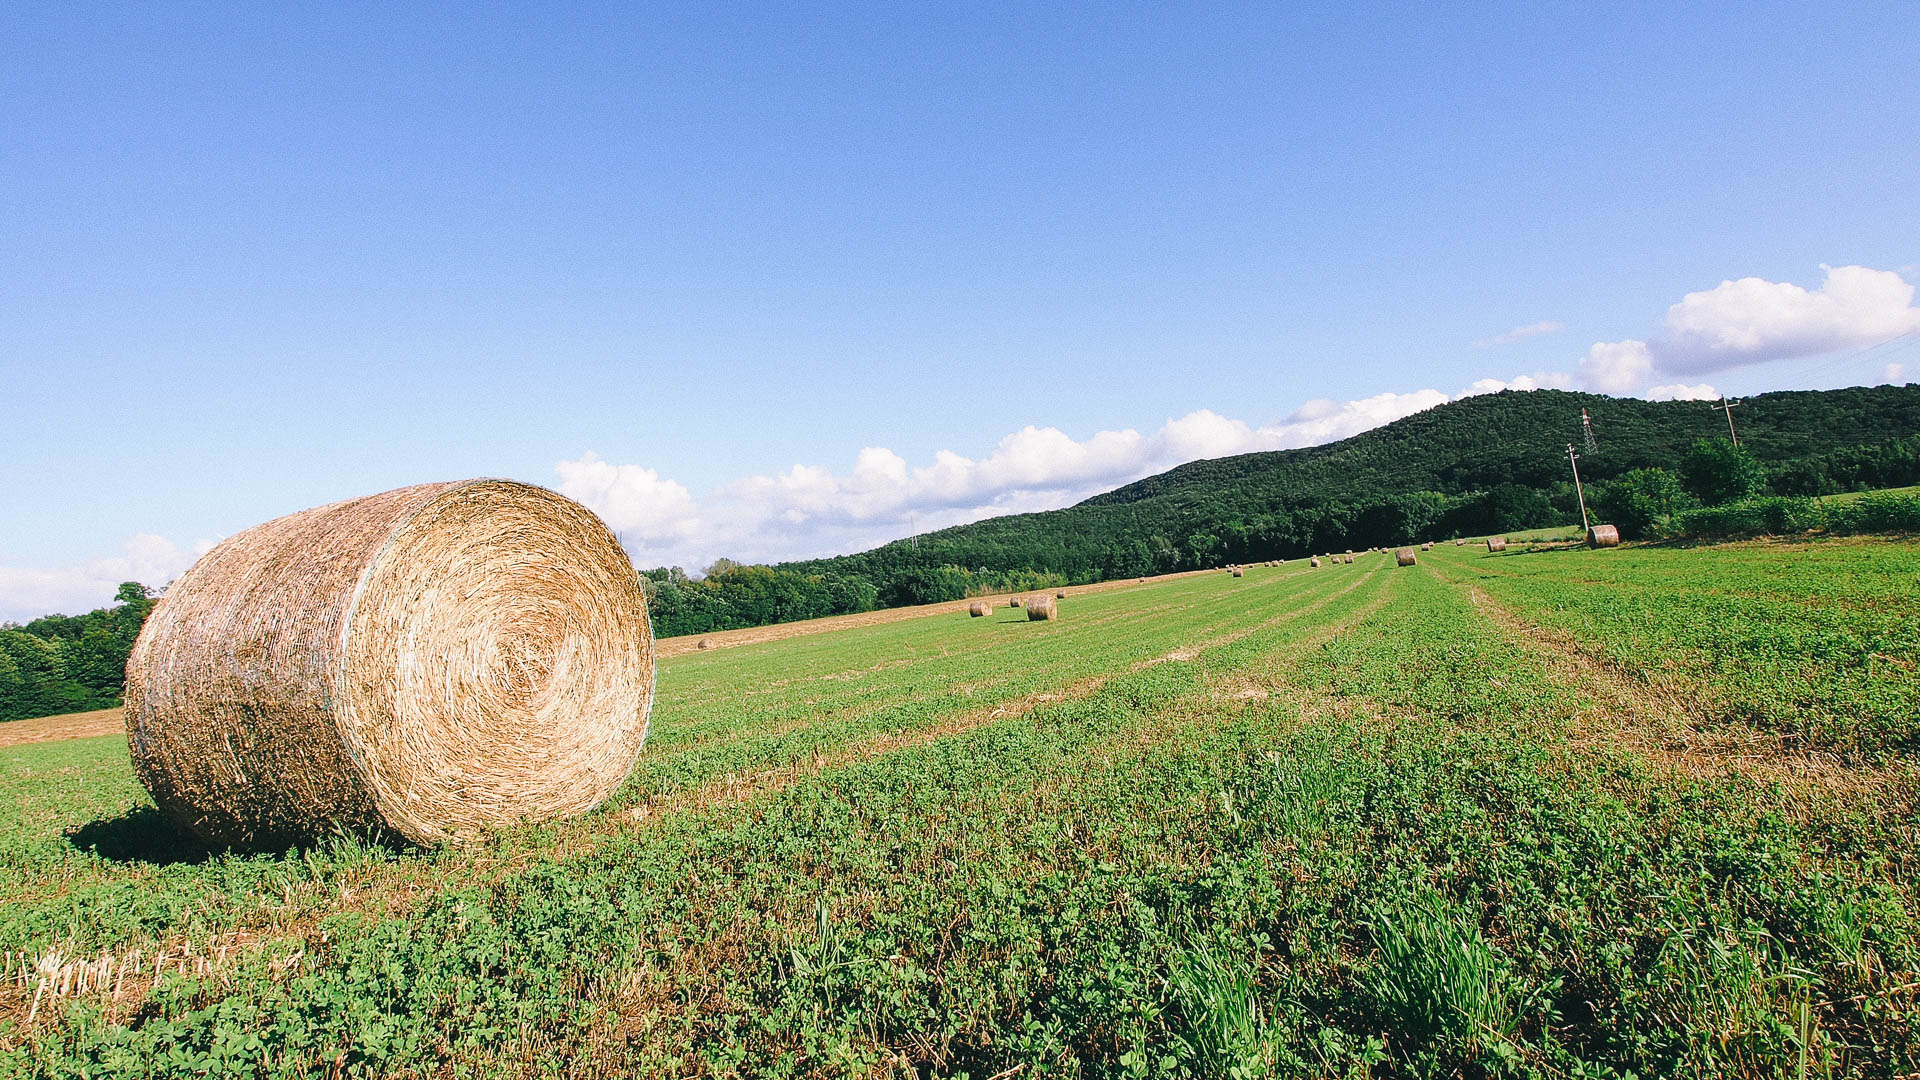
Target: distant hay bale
<point>430,662</point>
<point>1041,609</point>
<point>1457,541</point>
<point>1496,543</point>
<point>1405,556</point>
<point>1015,602</point>
<point>704,643</point>
<point>979,608</point>
<point>1428,546</point>
<point>1315,561</point>
<point>1603,536</point>
<point>1061,595</point>
<point>1349,560</point>
<point>1239,572</point>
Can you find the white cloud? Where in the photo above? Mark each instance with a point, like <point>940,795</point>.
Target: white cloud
<point>809,510</point>
<point>1753,320</point>
<point>1544,326</point>
<point>29,592</point>
<point>1892,373</point>
<point>1682,392</point>
<point>1616,367</point>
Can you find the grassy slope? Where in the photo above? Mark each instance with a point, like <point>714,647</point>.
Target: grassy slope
<point>1579,811</point>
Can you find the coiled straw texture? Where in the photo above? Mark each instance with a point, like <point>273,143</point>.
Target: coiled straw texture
<point>434,662</point>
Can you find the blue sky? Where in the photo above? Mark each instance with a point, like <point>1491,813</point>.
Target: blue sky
<point>792,281</point>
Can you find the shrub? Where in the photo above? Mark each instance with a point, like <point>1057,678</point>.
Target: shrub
<point>1716,471</point>
<point>1642,500</point>
<point>1878,512</point>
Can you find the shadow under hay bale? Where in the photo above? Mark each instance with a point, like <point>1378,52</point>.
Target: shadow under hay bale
<point>142,834</point>
<point>431,662</point>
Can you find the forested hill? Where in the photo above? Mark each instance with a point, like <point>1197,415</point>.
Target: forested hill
<point>1484,464</point>
<point>1479,443</point>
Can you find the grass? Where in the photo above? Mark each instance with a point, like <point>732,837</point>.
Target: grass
<point>1562,813</point>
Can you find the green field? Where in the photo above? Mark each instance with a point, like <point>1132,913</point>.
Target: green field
<point>1550,812</point>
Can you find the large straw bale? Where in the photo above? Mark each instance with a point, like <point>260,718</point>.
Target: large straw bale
<point>1041,609</point>
<point>1603,536</point>
<point>1496,543</point>
<point>1239,572</point>
<point>1405,556</point>
<point>979,608</point>
<point>433,662</point>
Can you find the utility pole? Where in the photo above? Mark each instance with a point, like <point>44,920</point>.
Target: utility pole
<point>1574,460</point>
<point>1727,407</point>
<point>1586,430</point>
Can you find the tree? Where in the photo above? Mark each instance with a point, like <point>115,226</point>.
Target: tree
<point>1715,471</point>
<point>1638,501</point>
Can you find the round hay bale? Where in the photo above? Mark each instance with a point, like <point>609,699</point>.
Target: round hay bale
<point>1238,572</point>
<point>1314,561</point>
<point>1405,556</point>
<point>979,608</point>
<point>1349,560</point>
<point>1061,595</point>
<point>1496,543</point>
<point>1041,609</point>
<point>1015,602</point>
<point>704,643</point>
<point>433,662</point>
<point>1428,546</point>
<point>1603,536</point>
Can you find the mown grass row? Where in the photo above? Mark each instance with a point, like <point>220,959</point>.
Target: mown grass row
<point>1358,840</point>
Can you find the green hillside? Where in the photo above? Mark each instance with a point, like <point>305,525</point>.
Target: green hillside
<point>1484,464</point>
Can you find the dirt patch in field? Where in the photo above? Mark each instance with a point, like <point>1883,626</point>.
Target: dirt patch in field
<point>79,725</point>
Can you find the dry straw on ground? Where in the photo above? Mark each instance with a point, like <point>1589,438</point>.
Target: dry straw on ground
<point>1603,536</point>
<point>432,662</point>
<point>1496,543</point>
<point>979,608</point>
<point>1405,556</point>
<point>1041,609</point>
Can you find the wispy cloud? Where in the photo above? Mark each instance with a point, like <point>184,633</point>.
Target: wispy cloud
<point>1544,326</point>
<point>28,592</point>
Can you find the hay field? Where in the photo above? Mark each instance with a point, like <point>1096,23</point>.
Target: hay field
<point>1548,811</point>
